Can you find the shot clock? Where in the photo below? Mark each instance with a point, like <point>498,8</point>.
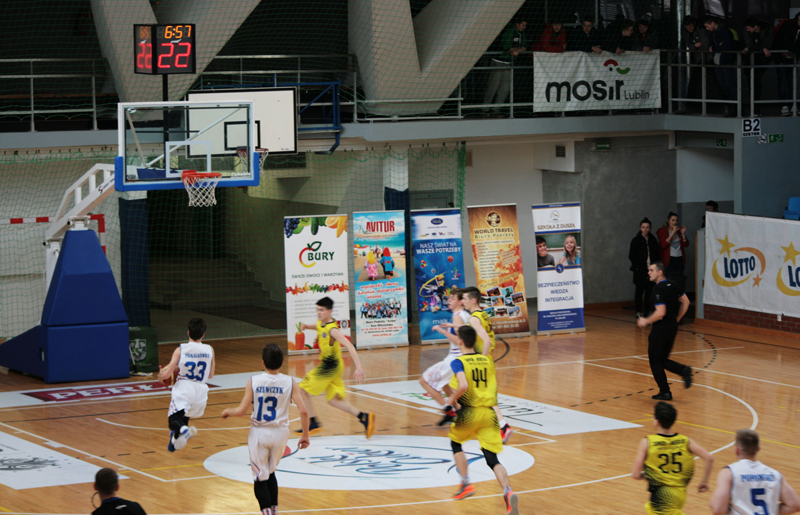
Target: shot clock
<point>164,49</point>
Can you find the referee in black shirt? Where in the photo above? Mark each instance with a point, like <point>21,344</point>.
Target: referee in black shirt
<point>670,304</point>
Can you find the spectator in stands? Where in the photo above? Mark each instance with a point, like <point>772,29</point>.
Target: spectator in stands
<point>514,42</point>
<point>644,252</point>
<point>552,39</point>
<point>694,40</point>
<point>586,39</point>
<point>721,44</point>
<point>645,39</point>
<point>622,41</point>
<point>788,38</point>
<point>758,39</point>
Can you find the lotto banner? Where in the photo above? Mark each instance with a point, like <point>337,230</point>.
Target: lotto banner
<point>752,264</point>
<point>315,253</point>
<point>559,269</point>
<point>498,267</point>
<point>438,266</point>
<point>577,81</point>
<point>379,251</point>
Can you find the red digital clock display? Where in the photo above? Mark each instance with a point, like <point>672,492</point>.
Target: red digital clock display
<point>164,49</point>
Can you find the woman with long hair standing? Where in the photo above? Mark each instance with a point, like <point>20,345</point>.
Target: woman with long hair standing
<point>643,253</point>
<point>673,242</point>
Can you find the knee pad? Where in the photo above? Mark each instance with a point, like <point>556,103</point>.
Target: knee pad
<point>456,447</point>
<point>491,458</point>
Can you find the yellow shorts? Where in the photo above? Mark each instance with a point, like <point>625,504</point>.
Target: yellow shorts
<point>477,423</point>
<point>666,500</point>
<point>327,377</point>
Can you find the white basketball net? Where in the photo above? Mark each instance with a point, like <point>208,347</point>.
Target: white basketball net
<point>245,159</point>
<point>201,187</point>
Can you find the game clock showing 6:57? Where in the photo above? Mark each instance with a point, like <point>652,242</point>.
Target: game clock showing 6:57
<point>164,49</point>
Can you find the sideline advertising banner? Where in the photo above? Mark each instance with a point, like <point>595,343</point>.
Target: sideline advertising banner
<point>379,251</point>
<point>498,267</point>
<point>438,265</point>
<point>560,276</point>
<point>577,81</point>
<point>752,264</point>
<point>315,253</point>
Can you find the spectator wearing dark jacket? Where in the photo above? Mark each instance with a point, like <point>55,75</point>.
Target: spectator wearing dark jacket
<point>552,39</point>
<point>721,43</point>
<point>622,41</point>
<point>694,39</point>
<point>645,39</point>
<point>586,39</point>
<point>758,38</point>
<point>788,38</point>
<point>644,252</point>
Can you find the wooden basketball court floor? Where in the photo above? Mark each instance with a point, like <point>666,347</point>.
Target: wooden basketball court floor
<point>743,380</point>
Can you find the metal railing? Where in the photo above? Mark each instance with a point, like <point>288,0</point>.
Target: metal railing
<point>16,72</point>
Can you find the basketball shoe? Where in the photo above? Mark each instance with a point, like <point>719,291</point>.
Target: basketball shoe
<point>464,492</point>
<point>506,432</point>
<point>368,419</point>
<point>314,427</point>
<point>449,415</point>
<point>511,503</point>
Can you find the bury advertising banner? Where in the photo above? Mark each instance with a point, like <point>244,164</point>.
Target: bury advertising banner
<point>379,251</point>
<point>752,264</point>
<point>559,275</point>
<point>498,267</point>
<point>580,81</point>
<point>315,253</point>
<point>438,265</point>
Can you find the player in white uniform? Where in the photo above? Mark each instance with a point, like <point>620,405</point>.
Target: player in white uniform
<point>269,394</point>
<point>195,363</point>
<point>436,378</point>
<point>748,487</point>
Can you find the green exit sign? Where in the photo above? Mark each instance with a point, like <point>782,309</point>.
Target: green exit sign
<point>722,143</point>
<point>776,138</point>
<point>602,145</point>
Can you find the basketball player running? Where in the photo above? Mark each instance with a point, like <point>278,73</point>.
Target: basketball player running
<point>666,461</point>
<point>475,393</point>
<point>269,393</point>
<point>748,486</point>
<point>195,363</point>
<point>670,303</point>
<point>327,377</point>
<point>479,321</point>
<point>437,377</point>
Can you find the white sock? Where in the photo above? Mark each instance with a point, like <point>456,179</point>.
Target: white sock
<point>503,422</point>
<point>465,480</point>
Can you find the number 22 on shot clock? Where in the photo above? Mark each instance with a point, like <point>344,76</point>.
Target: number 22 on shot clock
<point>164,49</point>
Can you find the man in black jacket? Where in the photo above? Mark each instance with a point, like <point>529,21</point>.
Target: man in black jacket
<point>586,39</point>
<point>788,38</point>
<point>622,41</point>
<point>644,251</point>
<point>720,47</point>
<point>694,40</point>
<point>758,39</point>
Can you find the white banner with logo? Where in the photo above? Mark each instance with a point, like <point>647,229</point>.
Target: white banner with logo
<point>559,277</point>
<point>752,263</point>
<point>315,252</point>
<point>577,81</point>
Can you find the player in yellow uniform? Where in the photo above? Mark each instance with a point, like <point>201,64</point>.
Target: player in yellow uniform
<point>666,461</point>
<point>479,321</point>
<point>327,376</point>
<point>475,392</point>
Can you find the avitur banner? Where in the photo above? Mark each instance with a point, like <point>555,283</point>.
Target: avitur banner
<point>577,81</point>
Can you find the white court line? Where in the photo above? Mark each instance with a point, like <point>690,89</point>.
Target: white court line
<point>420,408</point>
<point>84,453</point>
<point>165,429</point>
<point>742,377</point>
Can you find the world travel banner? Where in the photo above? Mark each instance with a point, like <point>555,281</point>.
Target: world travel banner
<point>379,257</point>
<point>438,265</point>
<point>752,264</point>
<point>577,81</point>
<point>559,275</point>
<point>315,255</point>
<point>498,267</point>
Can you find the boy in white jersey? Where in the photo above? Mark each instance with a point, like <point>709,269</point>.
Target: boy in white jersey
<point>436,379</point>
<point>195,363</point>
<point>269,394</point>
<point>750,487</point>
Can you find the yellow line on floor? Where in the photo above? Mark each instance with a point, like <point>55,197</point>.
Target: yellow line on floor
<point>5,510</point>
<point>734,432</point>
<point>176,467</point>
<point>642,420</point>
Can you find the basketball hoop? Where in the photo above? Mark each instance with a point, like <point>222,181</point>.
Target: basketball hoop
<point>263,153</point>
<point>200,187</point>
